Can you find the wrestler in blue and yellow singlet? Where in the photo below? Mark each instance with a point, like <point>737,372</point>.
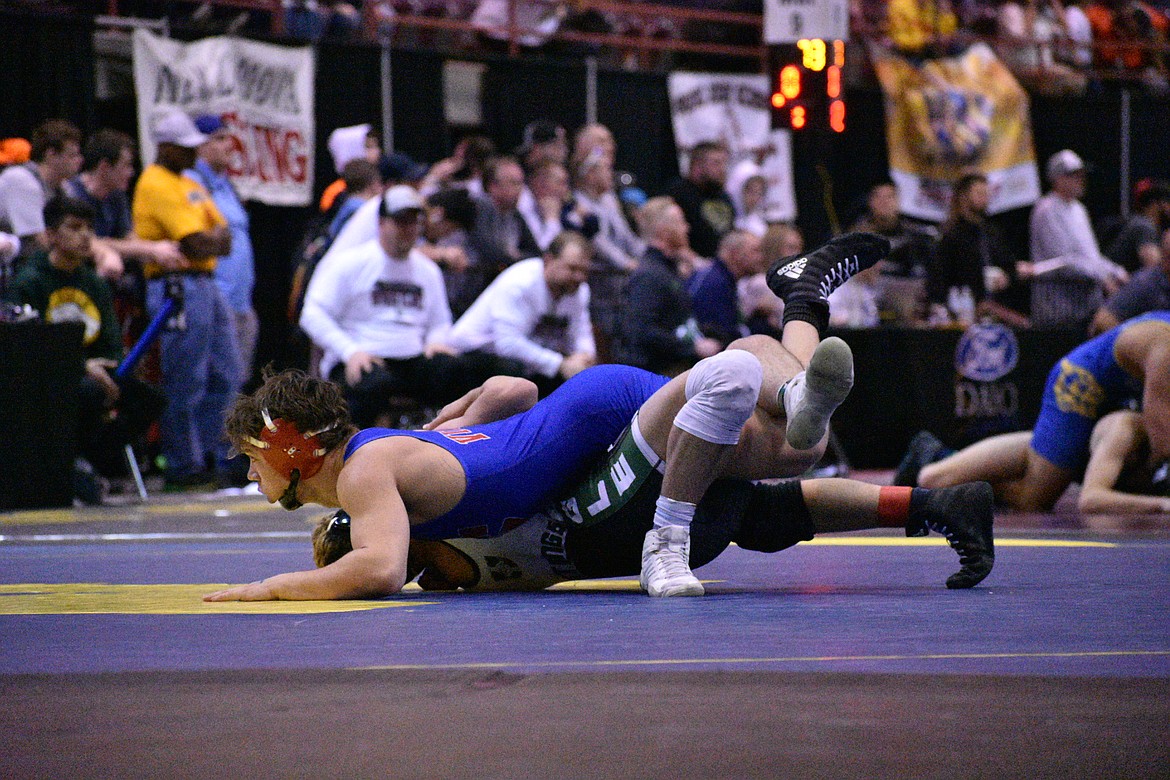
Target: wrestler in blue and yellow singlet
<point>1082,387</point>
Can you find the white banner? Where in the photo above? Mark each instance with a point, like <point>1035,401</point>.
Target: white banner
<point>788,21</point>
<point>263,93</point>
<point>736,110</point>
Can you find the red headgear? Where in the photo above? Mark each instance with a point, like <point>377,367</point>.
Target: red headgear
<point>286,449</point>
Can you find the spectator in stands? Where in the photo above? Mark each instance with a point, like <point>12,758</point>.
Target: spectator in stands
<point>1030,34</point>
<point>659,332</point>
<point>311,20</point>
<point>501,237</point>
<point>1147,290</point>
<point>447,226</point>
<point>536,313</point>
<point>598,214</point>
<point>363,182</point>
<point>901,284</point>
<point>921,28</point>
<point>1136,246</point>
<point>362,226</point>
<point>200,363</point>
<point>463,169</point>
<point>345,144</point>
<point>748,188</point>
<point>536,20</point>
<point>763,311</point>
<point>543,140</point>
<point>401,168</point>
<point>548,182</point>
<point>713,291</point>
<point>379,312</point>
<point>1127,36</point>
<point>55,157</point>
<point>702,196</point>
<point>1070,277</point>
<point>1079,51</point>
<point>592,140</point>
<point>235,272</point>
<point>62,285</point>
<point>972,257</point>
<point>104,183</point>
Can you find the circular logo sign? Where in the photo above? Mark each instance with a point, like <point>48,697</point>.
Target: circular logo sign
<point>987,352</point>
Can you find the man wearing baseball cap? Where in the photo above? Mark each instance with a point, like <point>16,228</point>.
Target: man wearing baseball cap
<point>379,312</point>
<point>200,362</point>
<point>1070,276</point>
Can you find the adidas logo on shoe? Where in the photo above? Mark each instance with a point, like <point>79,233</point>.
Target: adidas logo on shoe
<point>794,269</point>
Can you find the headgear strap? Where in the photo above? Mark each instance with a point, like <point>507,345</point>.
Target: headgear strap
<point>287,450</point>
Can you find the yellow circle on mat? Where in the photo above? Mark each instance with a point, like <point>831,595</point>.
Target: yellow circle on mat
<point>99,598</point>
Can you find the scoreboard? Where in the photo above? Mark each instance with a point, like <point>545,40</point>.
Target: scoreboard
<point>807,88</point>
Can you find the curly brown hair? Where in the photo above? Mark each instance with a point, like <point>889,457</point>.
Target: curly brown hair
<point>330,540</point>
<point>308,402</point>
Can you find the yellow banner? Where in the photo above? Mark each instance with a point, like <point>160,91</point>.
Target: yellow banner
<point>950,116</point>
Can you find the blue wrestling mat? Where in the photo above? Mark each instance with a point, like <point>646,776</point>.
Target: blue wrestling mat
<point>104,607</point>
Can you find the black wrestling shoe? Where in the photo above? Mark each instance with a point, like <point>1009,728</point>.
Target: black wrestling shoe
<point>813,276</point>
<point>964,515</point>
<point>924,448</point>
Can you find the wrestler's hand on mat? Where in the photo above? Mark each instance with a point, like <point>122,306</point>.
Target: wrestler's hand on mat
<point>253,591</point>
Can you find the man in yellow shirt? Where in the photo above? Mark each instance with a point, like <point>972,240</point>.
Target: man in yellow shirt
<point>200,371</point>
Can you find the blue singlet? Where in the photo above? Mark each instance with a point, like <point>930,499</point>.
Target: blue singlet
<point>517,465</point>
<point>1082,387</point>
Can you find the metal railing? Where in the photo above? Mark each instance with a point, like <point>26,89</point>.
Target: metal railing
<point>1110,57</point>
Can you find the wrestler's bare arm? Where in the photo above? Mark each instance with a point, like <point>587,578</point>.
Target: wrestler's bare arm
<point>1156,400</point>
<point>380,532</point>
<point>496,399</point>
<point>1115,437</point>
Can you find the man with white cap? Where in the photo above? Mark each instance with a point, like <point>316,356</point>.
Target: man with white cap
<point>200,362</point>
<point>379,312</point>
<point>1070,276</point>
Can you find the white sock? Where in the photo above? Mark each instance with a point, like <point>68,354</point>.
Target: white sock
<point>667,511</point>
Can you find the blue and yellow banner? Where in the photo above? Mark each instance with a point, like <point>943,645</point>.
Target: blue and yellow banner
<point>950,116</point>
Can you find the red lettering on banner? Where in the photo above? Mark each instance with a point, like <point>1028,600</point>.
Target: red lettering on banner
<point>270,154</point>
<point>464,436</point>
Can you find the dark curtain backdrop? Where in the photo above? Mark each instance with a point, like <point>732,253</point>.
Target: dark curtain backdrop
<point>516,93</point>
<point>636,107</point>
<point>47,64</point>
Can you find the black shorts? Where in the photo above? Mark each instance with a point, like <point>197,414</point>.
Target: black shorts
<point>765,517</point>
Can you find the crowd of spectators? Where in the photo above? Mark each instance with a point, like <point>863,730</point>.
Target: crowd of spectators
<point>1053,46</point>
<point>417,281</point>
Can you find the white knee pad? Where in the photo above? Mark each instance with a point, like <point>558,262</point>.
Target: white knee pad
<point>721,396</point>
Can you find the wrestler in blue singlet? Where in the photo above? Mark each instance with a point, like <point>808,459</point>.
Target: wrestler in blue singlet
<point>515,466</point>
<point>1082,387</point>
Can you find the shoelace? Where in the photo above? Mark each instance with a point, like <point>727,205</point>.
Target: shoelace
<point>965,555</point>
<point>668,561</point>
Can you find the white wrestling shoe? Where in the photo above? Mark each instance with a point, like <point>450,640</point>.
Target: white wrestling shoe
<point>811,397</point>
<point>666,569</point>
